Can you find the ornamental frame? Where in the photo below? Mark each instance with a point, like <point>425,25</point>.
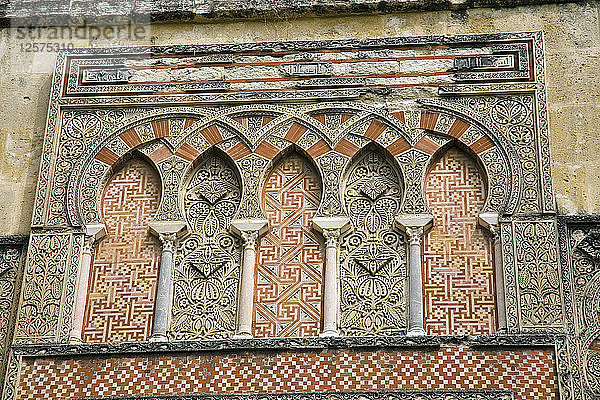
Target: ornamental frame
<point>498,112</point>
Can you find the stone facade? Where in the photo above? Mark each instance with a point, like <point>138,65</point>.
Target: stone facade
<point>320,218</point>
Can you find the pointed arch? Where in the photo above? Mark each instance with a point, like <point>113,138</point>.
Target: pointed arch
<point>290,257</point>
<point>373,254</point>
<point>124,272</point>
<point>458,271</point>
<point>208,259</point>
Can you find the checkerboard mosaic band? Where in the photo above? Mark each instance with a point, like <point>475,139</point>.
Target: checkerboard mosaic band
<point>290,259</point>
<point>529,373</point>
<point>458,274</point>
<point>124,272</point>
<point>371,395</point>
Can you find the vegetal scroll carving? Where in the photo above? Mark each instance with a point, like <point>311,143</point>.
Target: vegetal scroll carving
<point>208,260</point>
<point>373,255</point>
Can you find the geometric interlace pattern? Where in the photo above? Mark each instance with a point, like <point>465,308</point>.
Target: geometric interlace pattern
<point>458,274</point>
<point>124,271</point>
<point>290,260</point>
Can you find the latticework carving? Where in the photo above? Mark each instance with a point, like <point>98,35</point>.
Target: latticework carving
<point>208,260</point>
<point>373,255</point>
<point>457,262</point>
<point>125,266</point>
<point>289,263</point>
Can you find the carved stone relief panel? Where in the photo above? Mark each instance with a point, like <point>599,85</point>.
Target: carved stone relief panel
<point>252,167</point>
<point>538,275</point>
<point>290,259</point>
<point>124,271</point>
<point>373,254</point>
<point>48,288</point>
<point>581,246</point>
<point>207,267</point>
<point>514,118</point>
<point>534,294</point>
<point>11,255</point>
<point>332,164</point>
<point>458,271</point>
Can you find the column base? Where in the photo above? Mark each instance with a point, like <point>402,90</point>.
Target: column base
<point>416,332</point>
<point>160,337</point>
<point>502,331</point>
<point>329,333</point>
<point>243,335</point>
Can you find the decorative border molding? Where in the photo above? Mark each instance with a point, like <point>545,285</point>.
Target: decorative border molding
<point>371,395</point>
<point>290,344</point>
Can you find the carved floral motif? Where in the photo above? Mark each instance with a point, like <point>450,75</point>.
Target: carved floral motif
<point>208,260</point>
<point>373,255</point>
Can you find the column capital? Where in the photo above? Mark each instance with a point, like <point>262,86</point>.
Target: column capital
<point>167,239</point>
<point>249,230</point>
<point>88,243</point>
<point>249,238</point>
<point>414,225</point>
<point>332,237</point>
<point>415,234</point>
<point>93,233</point>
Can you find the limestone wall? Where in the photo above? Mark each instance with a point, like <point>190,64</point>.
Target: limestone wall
<point>573,69</point>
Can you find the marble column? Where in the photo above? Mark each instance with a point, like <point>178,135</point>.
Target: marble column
<point>249,230</point>
<point>490,222</point>
<point>415,226</point>
<point>415,282</point>
<point>167,234</point>
<point>332,228</point>
<point>163,290</point>
<point>330,283</point>
<point>499,279</point>
<point>92,234</point>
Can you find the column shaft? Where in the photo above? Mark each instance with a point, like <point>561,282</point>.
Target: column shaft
<point>499,281</point>
<point>415,282</point>
<point>246,299</point>
<point>82,289</point>
<point>163,291</point>
<point>330,295</point>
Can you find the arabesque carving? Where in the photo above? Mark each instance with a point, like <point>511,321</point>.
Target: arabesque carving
<point>207,265</point>
<point>373,255</point>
